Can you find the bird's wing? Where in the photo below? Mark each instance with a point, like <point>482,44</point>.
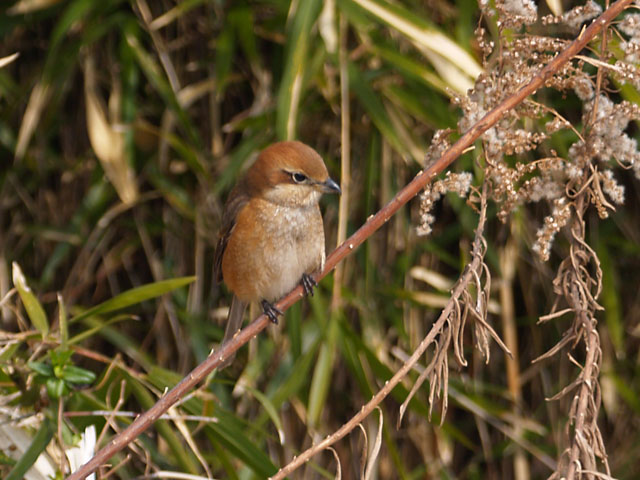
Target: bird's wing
<point>238,198</point>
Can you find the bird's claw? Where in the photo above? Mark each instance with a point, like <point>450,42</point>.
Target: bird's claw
<point>308,284</point>
<point>271,311</point>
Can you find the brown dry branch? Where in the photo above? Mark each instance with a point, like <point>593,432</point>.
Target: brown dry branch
<point>538,79</point>
<point>580,289</point>
<point>570,185</point>
<point>449,324</point>
<point>461,304</point>
<point>579,283</point>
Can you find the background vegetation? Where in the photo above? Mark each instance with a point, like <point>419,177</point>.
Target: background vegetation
<point>125,123</point>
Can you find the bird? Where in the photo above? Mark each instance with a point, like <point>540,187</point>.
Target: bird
<point>272,234</point>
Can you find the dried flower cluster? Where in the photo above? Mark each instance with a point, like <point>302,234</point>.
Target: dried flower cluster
<point>512,13</point>
<point>552,224</point>
<point>511,146</point>
<point>631,26</point>
<point>575,17</point>
<point>453,182</point>
<point>520,167</point>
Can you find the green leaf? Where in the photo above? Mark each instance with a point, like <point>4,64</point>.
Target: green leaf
<point>186,460</point>
<point>6,459</point>
<point>39,443</point>
<point>447,56</point>
<point>99,326</point>
<point>297,377</point>
<point>31,303</point>
<point>73,374</point>
<point>9,351</point>
<point>410,67</point>
<point>178,197</point>
<point>158,80</point>
<point>225,48</point>
<point>60,357</point>
<point>123,342</point>
<point>135,295</point>
<point>41,368</point>
<point>56,388</point>
<point>270,409</point>
<point>297,57</point>
<point>75,13</point>
<point>321,380</point>
<point>237,159</point>
<point>62,320</point>
<point>374,106</point>
<point>244,21</point>
<point>226,432</point>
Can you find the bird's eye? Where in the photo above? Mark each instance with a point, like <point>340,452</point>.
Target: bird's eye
<point>299,177</point>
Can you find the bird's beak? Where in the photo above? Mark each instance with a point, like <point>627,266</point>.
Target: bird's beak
<point>330,186</point>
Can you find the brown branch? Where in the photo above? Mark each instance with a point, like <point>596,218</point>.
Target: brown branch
<point>585,444</point>
<point>374,223</point>
<point>437,329</point>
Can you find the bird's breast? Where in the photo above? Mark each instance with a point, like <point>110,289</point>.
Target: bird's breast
<point>270,247</point>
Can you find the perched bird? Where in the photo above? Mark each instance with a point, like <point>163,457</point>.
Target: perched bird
<point>272,235</point>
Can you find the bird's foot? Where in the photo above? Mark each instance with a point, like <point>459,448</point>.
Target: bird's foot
<point>271,311</point>
<point>308,283</point>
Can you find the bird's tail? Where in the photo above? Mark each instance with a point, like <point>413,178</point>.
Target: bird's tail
<point>234,323</point>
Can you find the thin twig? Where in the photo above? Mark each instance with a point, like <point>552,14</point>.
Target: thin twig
<point>122,413</point>
<point>408,365</point>
<point>345,160</point>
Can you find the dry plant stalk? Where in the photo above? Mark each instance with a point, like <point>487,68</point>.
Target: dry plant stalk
<point>470,297</point>
<point>569,185</point>
<point>447,329</point>
<point>575,284</point>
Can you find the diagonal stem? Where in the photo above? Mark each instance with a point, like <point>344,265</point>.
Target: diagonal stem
<point>436,329</point>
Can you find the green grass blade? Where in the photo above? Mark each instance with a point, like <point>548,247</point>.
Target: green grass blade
<point>31,303</point>
<point>184,457</point>
<point>63,322</point>
<point>134,296</point>
<point>321,380</point>
<point>39,443</point>
<point>227,433</point>
<point>270,409</point>
<point>423,35</point>
<point>155,76</point>
<point>372,103</point>
<point>297,57</point>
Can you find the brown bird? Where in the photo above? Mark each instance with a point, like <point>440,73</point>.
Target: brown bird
<point>272,235</point>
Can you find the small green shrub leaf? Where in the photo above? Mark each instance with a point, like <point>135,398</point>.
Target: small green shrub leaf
<point>73,374</point>
<point>41,368</point>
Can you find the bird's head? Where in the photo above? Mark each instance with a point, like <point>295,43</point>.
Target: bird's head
<point>291,174</point>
